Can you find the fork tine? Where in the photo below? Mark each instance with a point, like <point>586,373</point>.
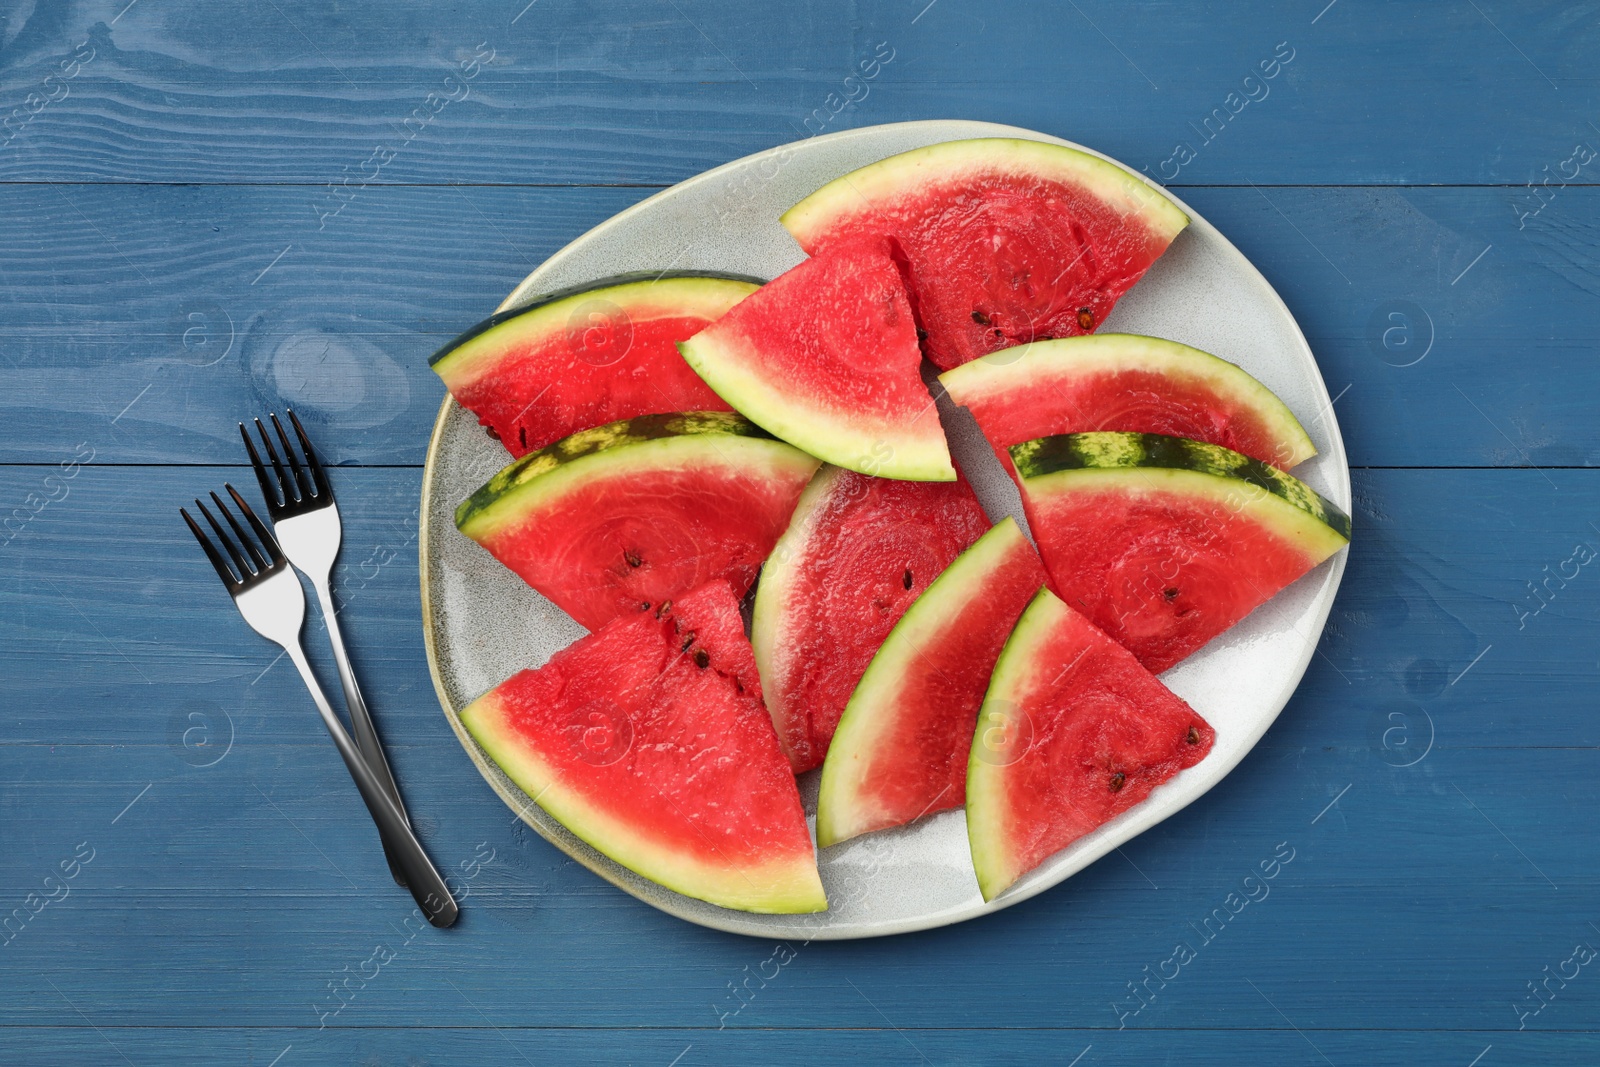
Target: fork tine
<point>301,482</point>
<point>233,553</point>
<point>285,486</point>
<point>268,489</point>
<point>221,565</point>
<point>269,544</point>
<point>238,532</point>
<point>318,478</point>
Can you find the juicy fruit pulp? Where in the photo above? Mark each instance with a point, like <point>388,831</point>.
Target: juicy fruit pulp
<point>900,751</point>
<point>826,357</point>
<point>637,512</point>
<point>857,552</point>
<point>1165,543</point>
<point>649,741</point>
<point>1125,383</point>
<point>581,359</point>
<point>1009,241</point>
<point>1073,733</point>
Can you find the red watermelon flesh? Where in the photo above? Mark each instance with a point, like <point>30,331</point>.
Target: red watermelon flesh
<point>857,552</point>
<point>1074,732</point>
<point>649,740</point>
<point>536,375</point>
<point>900,751</point>
<point>1009,241</point>
<point>825,357</point>
<point>1126,383</point>
<point>637,512</point>
<point>1165,543</point>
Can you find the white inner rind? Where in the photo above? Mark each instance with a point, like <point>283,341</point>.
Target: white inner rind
<point>787,885</point>
<point>1043,367</point>
<point>951,161</point>
<point>642,301</point>
<point>741,456</point>
<point>868,715</point>
<point>1232,496</point>
<point>886,449</point>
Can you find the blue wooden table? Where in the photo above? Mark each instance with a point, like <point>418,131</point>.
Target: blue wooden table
<point>213,210</point>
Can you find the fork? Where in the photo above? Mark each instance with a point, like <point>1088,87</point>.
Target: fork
<point>268,595</point>
<point>305,519</point>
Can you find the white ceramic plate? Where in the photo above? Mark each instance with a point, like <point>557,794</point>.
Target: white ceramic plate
<point>482,624</point>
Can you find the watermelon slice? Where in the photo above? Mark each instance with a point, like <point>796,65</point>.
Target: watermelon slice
<point>1122,382</point>
<point>622,517</point>
<point>586,357</point>
<point>1164,543</point>
<point>1073,733</point>
<point>649,741</point>
<point>900,751</point>
<point>825,357</point>
<point>857,552</point>
<point>1009,241</point>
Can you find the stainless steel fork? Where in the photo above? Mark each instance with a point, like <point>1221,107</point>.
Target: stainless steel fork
<point>306,522</point>
<point>269,596</point>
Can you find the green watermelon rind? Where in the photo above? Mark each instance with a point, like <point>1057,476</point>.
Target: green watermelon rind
<point>862,723</point>
<point>1125,192</point>
<point>477,352</point>
<point>648,442</point>
<point>1148,462</point>
<point>789,887</point>
<point>1016,370</point>
<point>839,438</point>
<point>986,777</point>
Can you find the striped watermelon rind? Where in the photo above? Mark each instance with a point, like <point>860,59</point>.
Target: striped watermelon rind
<point>1057,377</point>
<point>1155,462</point>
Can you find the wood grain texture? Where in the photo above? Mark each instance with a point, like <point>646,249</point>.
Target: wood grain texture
<point>147,320</point>
<point>213,211</point>
<point>1422,899</point>
<point>652,93</point>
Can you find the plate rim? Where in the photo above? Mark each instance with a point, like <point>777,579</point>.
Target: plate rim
<point>737,922</point>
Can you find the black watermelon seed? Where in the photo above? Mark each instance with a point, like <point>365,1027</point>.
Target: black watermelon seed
<point>631,559</point>
<point>981,319</point>
<point>1193,737</point>
<point>688,640</point>
<point>666,606</point>
<point>702,658</point>
<point>1085,319</point>
<point>907,580</point>
<point>491,432</point>
<point>522,435</point>
<point>1117,780</point>
<point>1169,595</point>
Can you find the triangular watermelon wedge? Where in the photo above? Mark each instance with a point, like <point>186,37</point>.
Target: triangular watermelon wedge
<point>1008,240</point>
<point>857,552</point>
<point>622,517</point>
<point>1125,383</point>
<point>586,357</point>
<point>649,741</point>
<point>1164,543</point>
<point>900,751</point>
<point>1073,733</point>
<point>825,356</point>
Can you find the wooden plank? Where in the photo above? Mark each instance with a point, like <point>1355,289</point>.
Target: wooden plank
<point>642,92</point>
<point>253,880</point>
<point>493,1043</point>
<point>144,322</point>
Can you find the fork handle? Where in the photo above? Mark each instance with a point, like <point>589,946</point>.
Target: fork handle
<point>362,727</point>
<point>422,878</point>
